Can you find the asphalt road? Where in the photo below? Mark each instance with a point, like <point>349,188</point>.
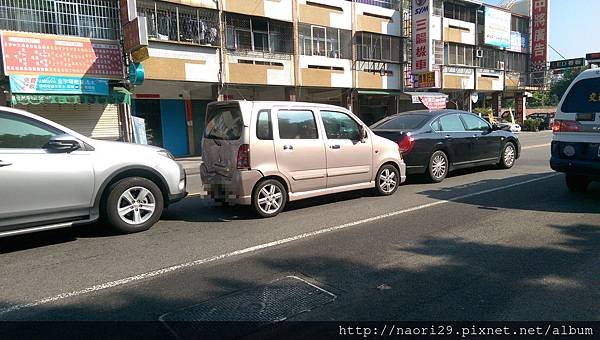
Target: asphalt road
<point>485,244</point>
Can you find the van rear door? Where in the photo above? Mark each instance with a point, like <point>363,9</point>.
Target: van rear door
<point>222,138</point>
<point>582,105</point>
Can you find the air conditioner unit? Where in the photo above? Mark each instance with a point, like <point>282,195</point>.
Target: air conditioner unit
<point>500,65</point>
<point>479,53</point>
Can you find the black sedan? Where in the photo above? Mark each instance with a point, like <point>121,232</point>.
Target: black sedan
<point>436,142</point>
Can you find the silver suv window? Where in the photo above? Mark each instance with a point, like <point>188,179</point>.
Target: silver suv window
<point>23,133</point>
<point>584,97</point>
<point>224,123</point>
<point>297,124</point>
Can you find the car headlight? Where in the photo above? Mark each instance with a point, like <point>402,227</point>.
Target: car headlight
<point>166,153</point>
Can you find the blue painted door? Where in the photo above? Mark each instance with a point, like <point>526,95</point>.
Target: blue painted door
<point>174,127</point>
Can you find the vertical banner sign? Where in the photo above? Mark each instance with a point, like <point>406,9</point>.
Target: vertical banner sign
<point>539,35</point>
<point>422,53</point>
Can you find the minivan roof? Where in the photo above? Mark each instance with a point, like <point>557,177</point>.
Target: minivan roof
<point>278,103</point>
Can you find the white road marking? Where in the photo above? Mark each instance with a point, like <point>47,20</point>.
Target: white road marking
<point>174,268</point>
<point>535,146</point>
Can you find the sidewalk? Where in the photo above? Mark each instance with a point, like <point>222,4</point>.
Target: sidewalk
<point>190,164</point>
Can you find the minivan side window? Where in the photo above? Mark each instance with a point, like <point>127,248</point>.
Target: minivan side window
<point>584,97</point>
<point>23,133</point>
<point>264,128</point>
<point>339,125</point>
<point>297,124</point>
<point>224,123</point>
<point>451,123</point>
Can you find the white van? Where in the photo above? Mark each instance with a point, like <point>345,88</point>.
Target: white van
<point>576,139</point>
<point>265,154</point>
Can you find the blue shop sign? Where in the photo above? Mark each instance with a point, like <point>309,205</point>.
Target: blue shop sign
<point>58,85</point>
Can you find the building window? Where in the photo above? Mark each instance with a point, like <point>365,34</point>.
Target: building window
<point>459,55</point>
<point>459,12</point>
<point>491,58</point>
<point>97,19</point>
<point>244,33</point>
<point>517,62</point>
<point>168,22</point>
<point>324,41</point>
<point>376,47</point>
<point>520,25</point>
<point>392,4</point>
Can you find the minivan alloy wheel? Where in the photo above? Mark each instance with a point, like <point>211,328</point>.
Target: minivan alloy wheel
<point>388,180</point>
<point>270,198</point>
<point>136,205</point>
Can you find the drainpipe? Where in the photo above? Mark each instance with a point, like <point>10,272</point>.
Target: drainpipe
<point>221,51</point>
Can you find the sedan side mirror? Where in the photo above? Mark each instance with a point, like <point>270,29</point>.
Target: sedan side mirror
<point>363,132</point>
<point>63,144</point>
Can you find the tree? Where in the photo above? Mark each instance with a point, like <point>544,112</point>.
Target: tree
<point>540,99</point>
<point>559,86</point>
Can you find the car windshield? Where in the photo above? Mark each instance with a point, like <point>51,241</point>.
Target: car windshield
<point>403,122</point>
<point>224,123</point>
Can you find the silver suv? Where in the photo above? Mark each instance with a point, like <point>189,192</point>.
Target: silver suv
<point>265,154</point>
<point>52,177</point>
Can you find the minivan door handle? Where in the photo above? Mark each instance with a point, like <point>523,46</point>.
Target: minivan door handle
<point>2,164</point>
<point>288,147</point>
<point>335,146</point>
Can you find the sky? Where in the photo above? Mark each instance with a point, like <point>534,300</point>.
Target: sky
<point>574,27</point>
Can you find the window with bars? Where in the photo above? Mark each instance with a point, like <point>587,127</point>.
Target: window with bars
<point>97,19</point>
<point>245,33</point>
<point>459,12</point>
<point>459,55</point>
<point>377,47</point>
<point>169,22</point>
<point>491,57</point>
<point>517,62</point>
<point>324,41</point>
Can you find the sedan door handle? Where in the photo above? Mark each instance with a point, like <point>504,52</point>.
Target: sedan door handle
<point>2,164</point>
<point>448,136</point>
<point>335,146</point>
<point>288,147</point>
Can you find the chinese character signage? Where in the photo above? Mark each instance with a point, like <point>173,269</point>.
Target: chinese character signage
<point>539,35</point>
<point>422,53</point>
<point>428,80</point>
<point>34,54</point>
<point>58,85</point>
<point>568,63</point>
<point>497,28</point>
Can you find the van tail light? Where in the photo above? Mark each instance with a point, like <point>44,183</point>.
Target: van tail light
<point>566,126</point>
<point>243,157</point>
<point>406,144</point>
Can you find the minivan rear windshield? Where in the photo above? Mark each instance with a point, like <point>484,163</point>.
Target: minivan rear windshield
<point>403,122</point>
<point>584,97</point>
<point>224,123</point>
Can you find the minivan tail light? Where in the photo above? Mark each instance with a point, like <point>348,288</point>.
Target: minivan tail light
<point>406,144</point>
<point>566,126</point>
<point>243,157</point>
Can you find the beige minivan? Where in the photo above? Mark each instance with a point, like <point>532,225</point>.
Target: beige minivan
<point>265,154</point>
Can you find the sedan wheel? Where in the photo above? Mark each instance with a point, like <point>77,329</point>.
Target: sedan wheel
<point>438,167</point>
<point>509,154</point>
<point>269,198</point>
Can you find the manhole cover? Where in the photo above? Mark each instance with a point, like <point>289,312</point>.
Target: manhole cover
<point>275,301</point>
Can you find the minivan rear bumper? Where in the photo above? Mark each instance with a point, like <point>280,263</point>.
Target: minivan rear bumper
<point>236,189</point>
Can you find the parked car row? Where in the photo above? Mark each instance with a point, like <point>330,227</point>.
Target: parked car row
<point>261,154</point>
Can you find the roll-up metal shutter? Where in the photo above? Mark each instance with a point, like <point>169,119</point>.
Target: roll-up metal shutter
<point>93,120</point>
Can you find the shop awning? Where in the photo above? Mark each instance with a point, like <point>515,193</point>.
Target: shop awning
<point>380,92</point>
<point>118,95</point>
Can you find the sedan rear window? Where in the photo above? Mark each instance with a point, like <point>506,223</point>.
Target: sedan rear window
<point>224,123</point>
<point>403,122</point>
<point>584,97</point>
